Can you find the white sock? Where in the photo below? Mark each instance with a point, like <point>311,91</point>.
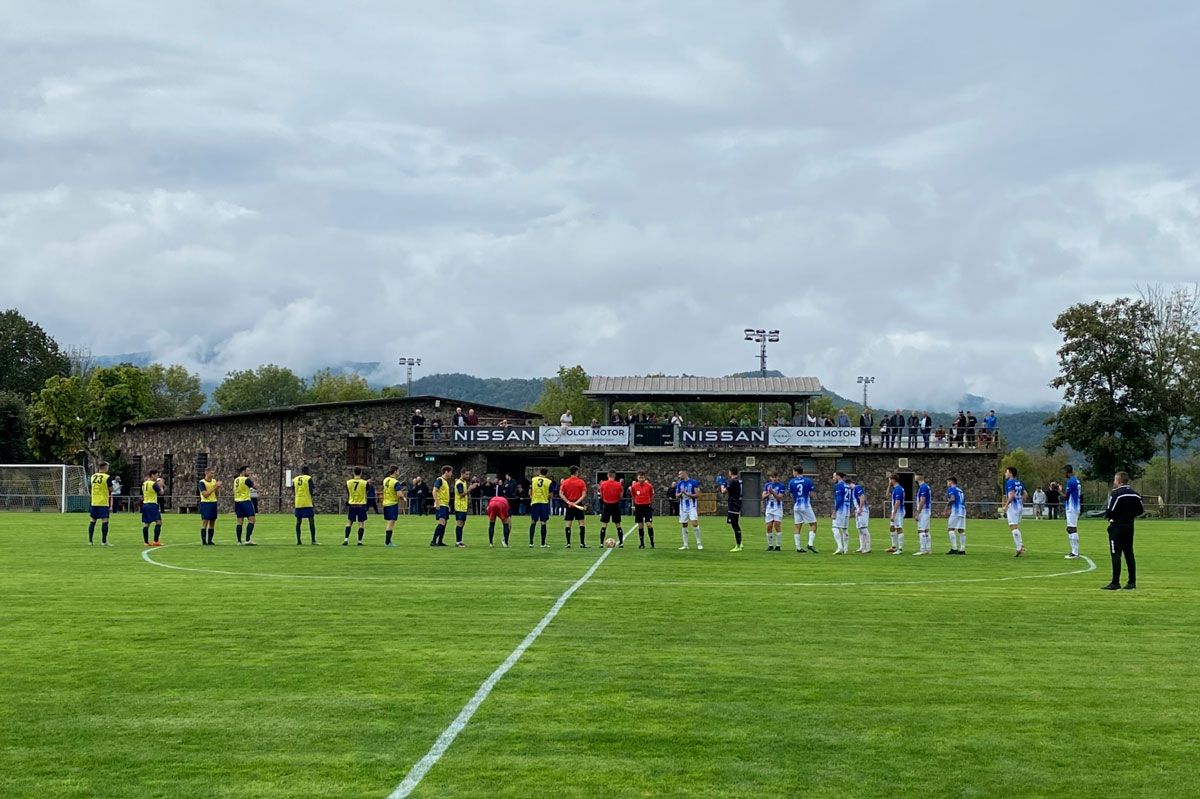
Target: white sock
<point>893,539</point>
<point>812,537</point>
<point>953,540</point>
<point>837,539</point>
<point>962,541</point>
<point>899,540</point>
<point>866,539</point>
<point>685,540</point>
<point>1074,539</point>
<point>1017,538</point>
<point>796,538</point>
<point>696,532</point>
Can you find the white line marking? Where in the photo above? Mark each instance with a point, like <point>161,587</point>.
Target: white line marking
<point>418,772</point>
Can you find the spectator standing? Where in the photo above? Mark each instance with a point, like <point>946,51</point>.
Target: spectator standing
<point>958,428</point>
<point>1124,505</point>
<point>972,425</point>
<point>372,496</point>
<point>843,418</point>
<point>990,422</point>
<point>435,428</point>
<point>1039,502</point>
<point>459,419</point>
<point>472,418</point>
<point>116,494</point>
<point>418,427</point>
<point>1053,500</point>
<point>566,420</point>
<point>884,434</point>
<point>914,428</point>
<point>828,422</point>
<point>939,436</point>
<point>617,421</point>
<point>866,425</point>
<point>676,419</point>
<point>926,428</point>
<point>896,425</point>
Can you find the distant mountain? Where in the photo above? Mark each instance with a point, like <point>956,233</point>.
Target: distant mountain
<point>973,402</point>
<point>507,392</point>
<point>135,358</point>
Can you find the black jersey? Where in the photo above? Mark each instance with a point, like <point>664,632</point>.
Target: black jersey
<point>734,493</point>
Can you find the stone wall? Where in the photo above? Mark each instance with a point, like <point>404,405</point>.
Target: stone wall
<point>273,442</point>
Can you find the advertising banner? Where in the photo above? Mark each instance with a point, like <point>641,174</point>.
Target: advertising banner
<point>583,436</point>
<point>723,437</point>
<point>814,436</point>
<point>527,436</point>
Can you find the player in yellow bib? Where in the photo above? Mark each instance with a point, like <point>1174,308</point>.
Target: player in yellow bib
<point>302,485</point>
<point>441,506</point>
<point>462,501</point>
<point>539,504</point>
<point>208,489</point>
<point>356,491</point>
<point>152,488</point>
<point>393,492</point>
<point>100,484</point>
<point>243,504</point>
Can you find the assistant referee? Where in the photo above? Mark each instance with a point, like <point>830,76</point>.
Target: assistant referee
<point>1124,505</point>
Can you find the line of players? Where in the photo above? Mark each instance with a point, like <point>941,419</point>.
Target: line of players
<point>450,494</point>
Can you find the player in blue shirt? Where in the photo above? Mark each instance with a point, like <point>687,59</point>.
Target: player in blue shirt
<point>1071,505</point>
<point>841,513</point>
<point>772,494</point>
<point>923,511</point>
<point>862,515</point>
<point>956,512</point>
<point>1014,506</point>
<point>800,487</point>
<point>686,491</point>
<point>896,514</point>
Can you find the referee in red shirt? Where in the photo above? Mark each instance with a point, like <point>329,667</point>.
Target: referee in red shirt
<point>572,492</point>
<point>611,491</point>
<point>643,508</point>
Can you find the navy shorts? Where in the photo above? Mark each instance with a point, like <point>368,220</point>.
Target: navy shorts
<point>243,509</point>
<point>208,511</point>
<point>391,513</point>
<point>304,513</point>
<point>460,515</point>
<point>357,513</point>
<point>151,513</point>
<point>539,512</point>
<point>99,512</point>
<point>442,513</point>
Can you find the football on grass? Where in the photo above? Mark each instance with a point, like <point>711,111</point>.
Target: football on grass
<point>610,542</point>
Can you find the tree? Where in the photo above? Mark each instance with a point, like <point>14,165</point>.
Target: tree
<point>174,391</point>
<point>30,355</point>
<point>1173,339</point>
<point>116,395</point>
<point>56,424</point>
<point>14,428</point>
<point>330,386</point>
<point>564,393</point>
<point>1106,382</point>
<point>267,386</point>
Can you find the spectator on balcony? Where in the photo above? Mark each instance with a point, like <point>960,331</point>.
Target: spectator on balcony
<point>884,433</point>
<point>472,418</point>
<point>866,425</point>
<point>502,423</point>
<point>990,422</point>
<point>616,420</point>
<point>733,421</point>
<point>914,429</point>
<point>653,418</point>
<point>418,427</point>
<point>435,427</point>
<point>459,419</point>
<point>939,437</point>
<point>926,427</point>
<point>959,429</point>
<point>676,419</point>
<point>843,418</point>
<point>972,425</point>
<point>896,425</point>
<point>566,420</point>
<point>828,421</point>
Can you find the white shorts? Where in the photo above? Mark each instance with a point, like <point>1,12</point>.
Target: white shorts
<point>773,515</point>
<point>898,519</point>
<point>841,520</point>
<point>804,515</point>
<point>956,523</point>
<point>688,514</point>
<point>923,520</point>
<point>1072,517</point>
<point>1014,515</point>
<point>863,519</point>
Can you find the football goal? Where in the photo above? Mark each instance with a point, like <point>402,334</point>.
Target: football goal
<point>43,487</point>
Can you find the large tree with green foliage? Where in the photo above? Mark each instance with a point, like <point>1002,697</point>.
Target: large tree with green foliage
<point>267,386</point>
<point>330,386</point>
<point>30,356</point>
<point>174,391</point>
<point>116,395</point>
<point>14,428</point>
<point>565,392</point>
<point>56,423</point>
<point>1105,377</point>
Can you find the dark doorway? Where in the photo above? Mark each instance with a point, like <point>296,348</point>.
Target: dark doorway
<point>906,482</point>
<point>751,494</point>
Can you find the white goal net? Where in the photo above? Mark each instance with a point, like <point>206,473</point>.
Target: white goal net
<point>53,488</point>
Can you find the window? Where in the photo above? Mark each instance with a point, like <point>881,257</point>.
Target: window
<point>358,451</point>
<point>845,466</point>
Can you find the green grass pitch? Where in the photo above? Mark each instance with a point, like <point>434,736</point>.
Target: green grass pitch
<point>668,674</point>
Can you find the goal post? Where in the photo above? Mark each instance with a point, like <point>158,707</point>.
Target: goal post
<point>43,487</point>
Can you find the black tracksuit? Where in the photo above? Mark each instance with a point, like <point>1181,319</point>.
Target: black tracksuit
<point>1124,505</point>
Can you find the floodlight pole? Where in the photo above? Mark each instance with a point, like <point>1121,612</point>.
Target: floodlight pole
<point>864,381</point>
<point>762,337</point>
<point>409,363</point>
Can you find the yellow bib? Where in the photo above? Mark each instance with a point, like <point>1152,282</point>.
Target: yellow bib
<point>462,499</point>
<point>209,485</point>
<point>149,495</point>
<point>539,492</point>
<point>100,488</point>
<point>356,487</point>
<point>441,493</point>
<point>241,491</point>
<point>391,496</point>
<point>303,487</point>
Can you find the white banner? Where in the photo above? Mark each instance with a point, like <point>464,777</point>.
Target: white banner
<point>583,436</point>
<point>814,437</point>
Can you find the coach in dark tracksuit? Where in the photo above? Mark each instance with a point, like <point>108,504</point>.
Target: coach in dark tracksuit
<point>1124,505</point>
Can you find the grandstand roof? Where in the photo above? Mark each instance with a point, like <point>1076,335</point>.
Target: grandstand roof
<point>703,389</point>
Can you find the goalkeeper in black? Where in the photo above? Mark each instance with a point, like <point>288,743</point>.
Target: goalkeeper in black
<point>1124,505</point>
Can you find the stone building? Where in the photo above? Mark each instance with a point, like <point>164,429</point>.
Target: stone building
<point>332,438</point>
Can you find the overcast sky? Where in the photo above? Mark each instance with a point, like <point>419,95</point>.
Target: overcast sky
<point>911,190</point>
